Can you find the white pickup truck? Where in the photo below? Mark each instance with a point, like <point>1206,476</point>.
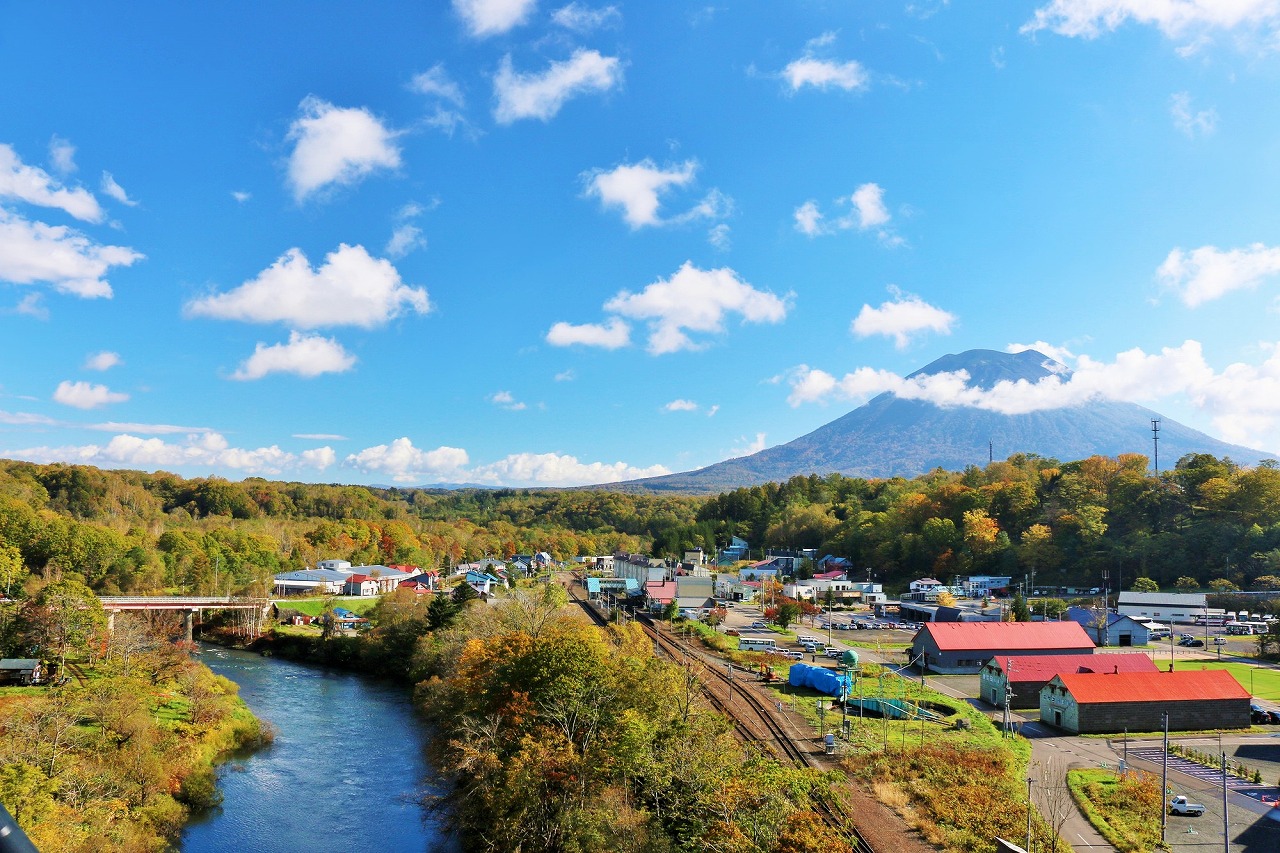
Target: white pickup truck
<point>1180,805</point>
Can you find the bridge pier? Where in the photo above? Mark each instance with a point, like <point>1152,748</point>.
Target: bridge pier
<point>111,622</point>
<point>188,624</point>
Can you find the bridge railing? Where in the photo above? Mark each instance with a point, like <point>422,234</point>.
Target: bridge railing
<point>179,600</point>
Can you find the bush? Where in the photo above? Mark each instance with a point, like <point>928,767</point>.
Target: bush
<point>200,790</point>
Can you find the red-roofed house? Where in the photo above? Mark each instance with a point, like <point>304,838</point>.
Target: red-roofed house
<point>1101,703</point>
<point>660,593</point>
<point>360,585</point>
<point>953,648</point>
<point>1026,674</point>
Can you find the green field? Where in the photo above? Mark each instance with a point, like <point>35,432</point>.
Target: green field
<point>313,606</point>
<point>1263,682</point>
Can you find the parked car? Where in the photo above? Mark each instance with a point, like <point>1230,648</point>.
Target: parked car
<point>835,653</point>
<point>1181,805</point>
<point>1192,643</point>
<point>1258,714</point>
<point>1273,717</point>
<point>758,624</point>
<point>732,632</point>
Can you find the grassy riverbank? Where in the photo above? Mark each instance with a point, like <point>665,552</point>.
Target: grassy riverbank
<point>120,756</point>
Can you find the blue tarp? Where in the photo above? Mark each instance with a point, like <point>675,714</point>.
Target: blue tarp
<point>818,678</point>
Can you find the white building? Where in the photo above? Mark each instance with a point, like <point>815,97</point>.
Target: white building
<point>1163,606</point>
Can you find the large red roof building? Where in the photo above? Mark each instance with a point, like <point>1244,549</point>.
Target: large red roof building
<point>965,647</point>
<point>1022,676</point>
<point>1101,703</point>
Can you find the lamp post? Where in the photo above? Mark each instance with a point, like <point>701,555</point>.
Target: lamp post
<point>1164,776</point>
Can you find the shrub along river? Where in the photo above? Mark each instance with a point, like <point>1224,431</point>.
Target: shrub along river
<point>346,771</point>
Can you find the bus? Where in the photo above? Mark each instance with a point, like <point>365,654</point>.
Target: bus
<point>757,644</point>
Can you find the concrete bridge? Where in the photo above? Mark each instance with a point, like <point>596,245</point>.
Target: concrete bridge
<point>188,605</point>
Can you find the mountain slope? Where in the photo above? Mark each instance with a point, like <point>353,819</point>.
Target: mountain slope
<point>889,436</point>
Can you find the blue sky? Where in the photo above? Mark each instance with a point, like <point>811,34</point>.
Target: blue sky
<point>518,242</point>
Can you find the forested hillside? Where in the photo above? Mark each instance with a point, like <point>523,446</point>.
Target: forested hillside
<point>134,532</point>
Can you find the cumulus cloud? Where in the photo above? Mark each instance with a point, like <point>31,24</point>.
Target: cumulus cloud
<point>1174,18</point>
<point>308,356</point>
<point>868,206</point>
<point>809,220</point>
<point>33,185</point>
<point>1242,400</point>
<point>203,452</point>
<point>114,190</point>
<point>350,288</point>
<point>636,188</point>
<point>680,406</point>
<point>505,400</point>
<point>695,300</point>
<point>84,395</point>
<point>1207,273</point>
<point>62,155</point>
<point>319,458</point>
<point>553,469</point>
<point>542,95</point>
<point>904,316</point>
<point>104,360</point>
<point>584,19</point>
<point>336,146</point>
<point>612,335</point>
<point>404,463</point>
<point>1057,353</point>
<point>484,18</point>
<point>1188,120</point>
<point>32,252</point>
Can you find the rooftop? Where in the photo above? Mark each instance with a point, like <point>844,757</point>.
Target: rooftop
<point>1032,668</point>
<point>994,636</point>
<point>1177,686</point>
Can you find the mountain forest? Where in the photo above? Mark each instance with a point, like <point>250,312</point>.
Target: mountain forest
<point>129,532</point>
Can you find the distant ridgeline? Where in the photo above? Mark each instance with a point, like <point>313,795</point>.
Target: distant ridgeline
<point>127,532</point>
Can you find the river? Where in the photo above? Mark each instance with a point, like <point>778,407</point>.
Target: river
<point>345,771</point>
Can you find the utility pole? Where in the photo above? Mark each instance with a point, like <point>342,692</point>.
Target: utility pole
<point>1164,776</point>
<point>1226,831</point>
<point>1155,443</point>
<point>1029,781</point>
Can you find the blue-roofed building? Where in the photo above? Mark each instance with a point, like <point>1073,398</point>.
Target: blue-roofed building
<point>1110,629</point>
<point>484,583</point>
<point>310,582</point>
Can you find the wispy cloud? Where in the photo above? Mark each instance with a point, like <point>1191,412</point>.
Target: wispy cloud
<point>583,19</point>
<point>1174,18</point>
<point>813,70</point>
<point>505,400</point>
<point>541,95</point>
<point>33,185</point>
<point>680,406</point>
<point>113,189</point>
<point>1189,121</point>
<point>866,212</point>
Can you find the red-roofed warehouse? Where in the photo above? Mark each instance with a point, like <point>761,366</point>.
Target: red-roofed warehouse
<point>1100,703</point>
<point>965,647</point>
<point>1024,675</point>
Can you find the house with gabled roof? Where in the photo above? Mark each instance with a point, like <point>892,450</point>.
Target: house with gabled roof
<point>953,648</point>
<point>1104,703</point>
<point>1023,676</point>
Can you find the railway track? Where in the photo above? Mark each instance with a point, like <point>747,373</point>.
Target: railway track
<point>753,718</point>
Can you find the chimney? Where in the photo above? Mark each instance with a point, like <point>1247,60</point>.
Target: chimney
<point>1115,669</point>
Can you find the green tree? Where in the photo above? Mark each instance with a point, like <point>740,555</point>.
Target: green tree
<point>1145,585</point>
<point>1266,582</point>
<point>63,618</point>
<point>441,612</point>
<point>1021,613</point>
<point>11,569</point>
<point>788,612</point>
<point>1222,585</point>
<point>1186,584</point>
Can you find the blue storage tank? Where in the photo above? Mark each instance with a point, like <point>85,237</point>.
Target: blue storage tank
<point>819,679</point>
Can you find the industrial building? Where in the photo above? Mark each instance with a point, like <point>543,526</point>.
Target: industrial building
<point>1024,675</point>
<point>1105,703</point>
<point>952,648</point>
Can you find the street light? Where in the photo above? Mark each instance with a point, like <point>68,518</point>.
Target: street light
<point>1029,781</point>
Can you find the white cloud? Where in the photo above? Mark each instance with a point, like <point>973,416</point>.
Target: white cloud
<point>636,189</point>
<point>62,155</point>
<point>405,239</point>
<point>825,74</point>
<point>351,288</point>
<point>809,219</point>
<point>32,252</point>
<point>404,463</point>
<point>337,145</point>
<point>145,429</point>
<point>695,300</point>
<point>1191,123</point>
<point>583,19</point>
<point>868,204</point>
<point>308,356</point>
<point>83,395</point>
<point>31,305</point>
<point>755,445</point>
<point>711,412</point>
<point>436,82</point>
<point>1208,273</point>
<point>566,376</point>
<point>553,469</point>
<point>320,436</point>
<point>612,335</point>
<point>204,451</point>
<point>114,190</point>
<point>241,196</point>
<point>34,185</point>
<point>905,316</point>
<point>319,458</point>
<point>867,211</point>
<point>26,419</point>
<point>1174,18</point>
<point>681,406</point>
<point>1057,353</point>
<point>719,237</point>
<point>540,96</point>
<point>104,360</point>
<point>505,400</point>
<point>493,17</point>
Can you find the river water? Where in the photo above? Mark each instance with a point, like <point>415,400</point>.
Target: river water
<point>345,771</point>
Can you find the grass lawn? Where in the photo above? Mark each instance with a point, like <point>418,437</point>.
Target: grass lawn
<point>313,606</point>
<point>1265,681</point>
<point>1126,811</point>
